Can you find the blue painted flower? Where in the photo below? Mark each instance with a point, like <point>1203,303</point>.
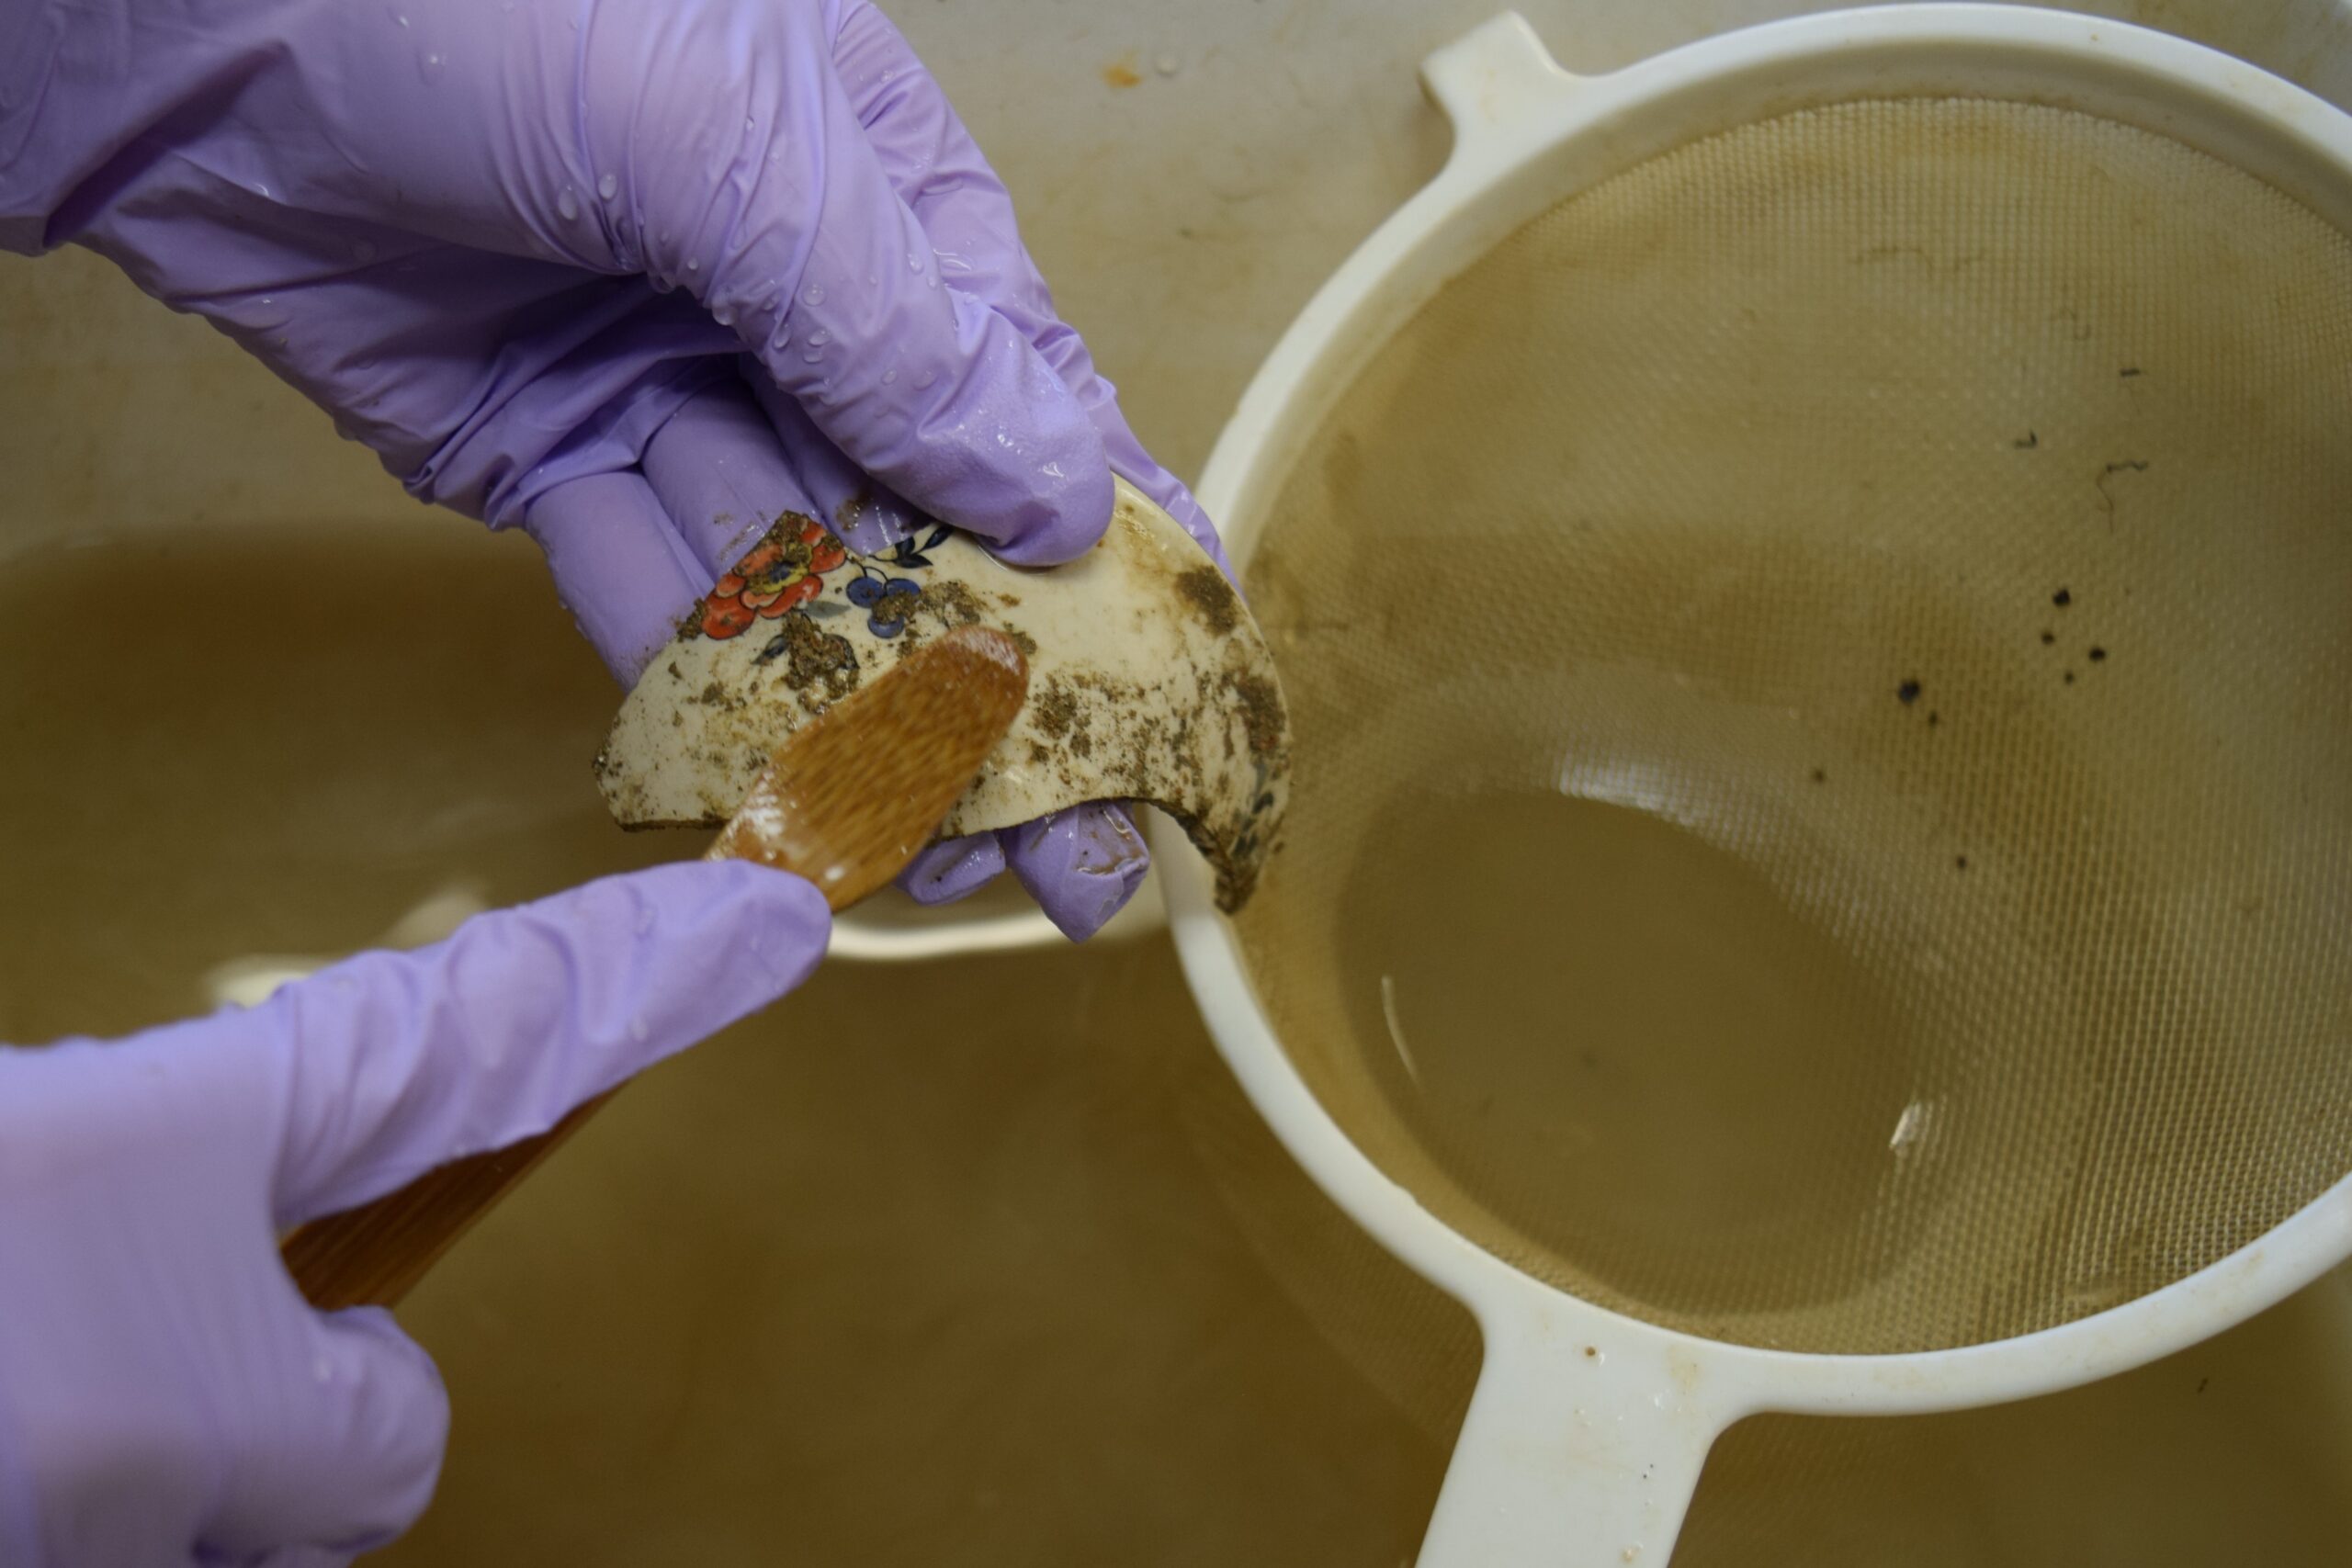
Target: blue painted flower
<point>887,602</point>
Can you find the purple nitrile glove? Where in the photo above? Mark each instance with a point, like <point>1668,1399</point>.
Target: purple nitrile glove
<point>633,275</point>
<point>167,1396</point>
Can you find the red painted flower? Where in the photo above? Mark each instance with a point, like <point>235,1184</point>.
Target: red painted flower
<point>785,572</point>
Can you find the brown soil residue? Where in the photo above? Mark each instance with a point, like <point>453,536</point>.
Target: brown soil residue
<point>952,602</point>
<point>941,606</point>
<point>812,662</point>
<point>1205,589</point>
<point>1054,709</point>
<point>1057,711</point>
<point>905,606</point>
<point>1261,710</point>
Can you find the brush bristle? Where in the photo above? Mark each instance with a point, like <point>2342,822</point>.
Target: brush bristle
<point>853,796</point>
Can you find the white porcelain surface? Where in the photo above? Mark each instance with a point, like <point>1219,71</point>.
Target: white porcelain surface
<point>1148,681</point>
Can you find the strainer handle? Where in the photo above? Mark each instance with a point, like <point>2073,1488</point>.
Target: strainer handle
<point>1490,81</point>
<point>1581,1448</point>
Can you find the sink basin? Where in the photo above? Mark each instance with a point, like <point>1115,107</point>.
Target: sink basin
<point>973,1260</point>
<point>978,1260</point>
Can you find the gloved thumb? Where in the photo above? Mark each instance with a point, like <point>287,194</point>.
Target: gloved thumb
<point>387,1065</point>
<point>341,1443</point>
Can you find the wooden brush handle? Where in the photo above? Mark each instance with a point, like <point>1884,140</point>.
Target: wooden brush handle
<point>372,1255</point>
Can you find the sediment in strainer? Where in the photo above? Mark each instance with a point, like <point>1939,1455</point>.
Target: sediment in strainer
<point>1904,548</point>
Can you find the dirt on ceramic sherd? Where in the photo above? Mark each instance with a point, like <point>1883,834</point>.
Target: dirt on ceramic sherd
<point>1205,589</point>
<point>1187,715</point>
<point>816,664</point>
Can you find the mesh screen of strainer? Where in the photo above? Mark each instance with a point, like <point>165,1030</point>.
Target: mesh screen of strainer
<point>1822,676</point>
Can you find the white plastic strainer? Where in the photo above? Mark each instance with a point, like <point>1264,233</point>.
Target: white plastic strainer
<point>1832,548</point>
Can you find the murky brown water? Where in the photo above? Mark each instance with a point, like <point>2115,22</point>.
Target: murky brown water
<point>1001,1272</point>
<point>1615,1035</point>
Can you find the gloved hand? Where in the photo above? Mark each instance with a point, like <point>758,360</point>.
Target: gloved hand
<point>165,1394</point>
<point>633,275</point>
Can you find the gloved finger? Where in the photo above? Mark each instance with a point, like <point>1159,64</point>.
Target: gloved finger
<point>943,177</point>
<point>1082,865</point>
<point>297,1557</point>
<point>929,391</point>
<point>619,565</point>
<point>723,476</point>
<point>953,868</point>
<point>867,513</point>
<point>829,280</point>
<point>715,476</point>
<point>389,1064</point>
<point>294,1557</point>
<point>741,453</point>
<point>351,1435</point>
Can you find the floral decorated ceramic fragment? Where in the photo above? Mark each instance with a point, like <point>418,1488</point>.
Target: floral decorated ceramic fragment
<point>1149,681</point>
